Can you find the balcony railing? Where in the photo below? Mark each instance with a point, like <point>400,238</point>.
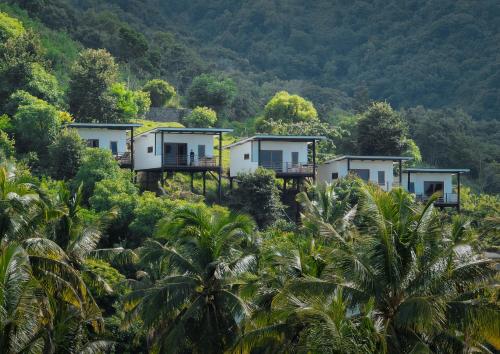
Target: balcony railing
<point>123,158</point>
<point>288,167</point>
<point>447,198</point>
<point>190,161</point>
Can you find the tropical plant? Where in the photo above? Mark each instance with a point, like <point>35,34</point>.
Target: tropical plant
<point>188,299</point>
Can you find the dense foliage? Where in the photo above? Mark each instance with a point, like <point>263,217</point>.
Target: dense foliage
<point>92,263</point>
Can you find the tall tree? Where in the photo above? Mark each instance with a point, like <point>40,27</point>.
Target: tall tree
<point>91,78</point>
<point>66,154</point>
<point>189,300</point>
<point>258,195</point>
<point>381,131</point>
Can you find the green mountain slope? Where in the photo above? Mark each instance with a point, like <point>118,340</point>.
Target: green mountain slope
<point>436,53</point>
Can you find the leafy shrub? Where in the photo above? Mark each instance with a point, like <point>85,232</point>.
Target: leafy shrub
<point>160,92</point>
<point>200,117</point>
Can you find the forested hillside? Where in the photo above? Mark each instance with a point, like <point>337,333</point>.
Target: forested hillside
<point>434,61</point>
<point>95,258</point>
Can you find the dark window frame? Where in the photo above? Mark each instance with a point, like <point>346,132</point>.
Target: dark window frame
<point>246,157</point>
<point>93,143</point>
<point>359,171</point>
<point>150,149</point>
<point>335,175</point>
<point>381,181</point>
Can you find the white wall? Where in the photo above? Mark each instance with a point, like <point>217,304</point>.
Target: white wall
<point>142,159</point>
<point>145,160</point>
<point>419,178</point>
<point>239,164</point>
<point>325,170</point>
<point>105,137</point>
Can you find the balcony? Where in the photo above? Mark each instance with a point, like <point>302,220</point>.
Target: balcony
<point>284,169</point>
<point>445,199</point>
<point>124,159</point>
<point>190,162</point>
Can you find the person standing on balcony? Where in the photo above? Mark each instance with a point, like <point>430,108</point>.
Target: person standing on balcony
<point>191,158</point>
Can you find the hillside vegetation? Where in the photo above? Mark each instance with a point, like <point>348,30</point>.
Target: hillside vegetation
<point>93,261</point>
<point>435,61</point>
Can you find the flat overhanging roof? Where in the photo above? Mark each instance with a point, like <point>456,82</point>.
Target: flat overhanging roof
<point>115,126</point>
<point>437,170</point>
<point>204,131</point>
<point>291,138</point>
<point>370,158</point>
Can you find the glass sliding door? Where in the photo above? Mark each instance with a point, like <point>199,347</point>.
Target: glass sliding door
<point>272,159</point>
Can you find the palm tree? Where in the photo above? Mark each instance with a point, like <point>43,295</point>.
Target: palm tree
<point>19,205</point>
<point>26,216</point>
<point>402,280</point>
<point>188,300</point>
<point>21,314</point>
<point>421,273</point>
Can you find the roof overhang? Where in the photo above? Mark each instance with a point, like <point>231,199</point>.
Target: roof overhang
<point>114,126</point>
<point>203,131</point>
<point>286,138</point>
<point>436,170</point>
<point>370,158</point>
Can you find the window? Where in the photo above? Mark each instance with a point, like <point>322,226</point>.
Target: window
<point>411,187</point>
<point>295,158</point>
<point>432,187</point>
<point>272,159</point>
<point>201,151</point>
<point>381,178</point>
<point>255,151</point>
<point>113,146</point>
<point>335,175</point>
<point>246,157</point>
<point>93,143</point>
<point>150,149</point>
<point>364,174</point>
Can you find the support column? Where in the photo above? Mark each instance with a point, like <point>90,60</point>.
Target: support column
<point>220,167</point>
<point>132,149</point>
<point>204,183</point>
<point>409,182</point>
<point>400,173</point>
<point>458,192</point>
<point>162,147</point>
<point>192,182</point>
<point>348,166</point>
<point>231,183</point>
<point>314,161</point>
<point>284,184</point>
<point>258,153</point>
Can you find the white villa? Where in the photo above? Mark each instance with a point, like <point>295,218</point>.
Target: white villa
<point>292,157</point>
<point>286,155</point>
<point>180,150</point>
<point>376,169</point>
<point>424,182</point>
<point>110,136</point>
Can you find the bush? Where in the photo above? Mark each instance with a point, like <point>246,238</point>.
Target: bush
<point>210,91</point>
<point>65,154</point>
<point>200,117</point>
<point>258,195</point>
<point>148,211</point>
<point>120,194</point>
<point>36,126</point>
<point>96,165</point>
<point>6,146</point>
<point>160,92</point>
<point>289,108</point>
<point>128,104</point>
